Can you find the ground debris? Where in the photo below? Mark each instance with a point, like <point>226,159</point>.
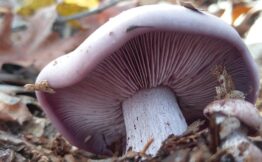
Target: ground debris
<point>36,148</point>
<point>27,135</point>
<point>226,87</point>
<point>198,145</point>
<point>60,146</point>
<point>37,140</point>
<point>12,109</point>
<point>41,86</point>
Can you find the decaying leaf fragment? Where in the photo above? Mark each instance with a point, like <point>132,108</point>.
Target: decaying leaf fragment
<point>41,86</point>
<point>226,87</point>
<point>30,6</point>
<point>5,29</point>
<point>12,109</point>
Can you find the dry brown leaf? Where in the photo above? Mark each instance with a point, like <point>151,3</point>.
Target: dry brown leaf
<point>15,113</point>
<point>5,29</point>
<point>12,109</point>
<point>240,9</point>
<point>232,10</point>
<point>36,126</point>
<point>49,50</point>
<point>38,30</point>
<point>39,44</point>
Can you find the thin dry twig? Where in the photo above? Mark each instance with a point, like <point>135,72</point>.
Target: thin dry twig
<point>147,145</point>
<point>89,12</point>
<point>42,86</point>
<point>135,155</point>
<point>214,134</point>
<point>218,155</point>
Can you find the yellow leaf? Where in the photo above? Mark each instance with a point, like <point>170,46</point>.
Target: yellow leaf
<point>70,7</point>
<point>30,6</point>
<point>66,9</point>
<point>84,3</point>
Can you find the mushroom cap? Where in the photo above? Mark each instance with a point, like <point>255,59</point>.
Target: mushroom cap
<point>246,112</point>
<point>126,54</point>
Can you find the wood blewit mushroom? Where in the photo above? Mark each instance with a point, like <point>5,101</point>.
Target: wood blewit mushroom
<point>144,74</point>
<point>237,118</point>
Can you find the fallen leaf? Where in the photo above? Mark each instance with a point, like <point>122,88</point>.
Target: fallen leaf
<point>5,29</point>
<point>240,9</point>
<point>29,7</point>
<point>36,126</point>
<point>70,7</point>
<point>12,109</point>
<point>7,155</point>
<point>38,30</point>
<point>49,50</point>
<point>84,3</point>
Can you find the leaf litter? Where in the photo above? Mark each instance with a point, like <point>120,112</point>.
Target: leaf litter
<point>27,135</point>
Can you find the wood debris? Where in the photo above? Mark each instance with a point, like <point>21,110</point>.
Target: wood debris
<point>226,87</point>
<point>42,86</point>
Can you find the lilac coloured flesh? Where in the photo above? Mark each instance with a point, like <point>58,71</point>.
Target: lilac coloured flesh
<point>180,61</point>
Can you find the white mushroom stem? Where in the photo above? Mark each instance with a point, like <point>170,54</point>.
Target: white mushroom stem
<point>152,113</point>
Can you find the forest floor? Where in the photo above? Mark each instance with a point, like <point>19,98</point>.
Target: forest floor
<point>28,41</point>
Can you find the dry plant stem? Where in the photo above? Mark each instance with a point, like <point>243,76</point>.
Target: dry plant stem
<point>214,134</point>
<point>148,144</point>
<point>90,12</point>
<point>152,113</point>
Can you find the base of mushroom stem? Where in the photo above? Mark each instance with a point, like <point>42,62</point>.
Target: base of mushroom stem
<point>152,113</point>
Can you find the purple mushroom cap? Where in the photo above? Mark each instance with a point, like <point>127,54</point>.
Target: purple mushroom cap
<point>142,48</point>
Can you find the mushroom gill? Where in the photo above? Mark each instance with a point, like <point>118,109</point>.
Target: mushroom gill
<point>183,62</point>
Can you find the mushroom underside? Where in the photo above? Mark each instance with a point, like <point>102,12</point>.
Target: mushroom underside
<point>91,111</point>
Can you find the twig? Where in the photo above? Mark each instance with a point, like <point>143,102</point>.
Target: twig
<point>89,12</point>
<point>217,156</point>
<point>147,145</point>
<point>214,134</point>
<point>136,155</point>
